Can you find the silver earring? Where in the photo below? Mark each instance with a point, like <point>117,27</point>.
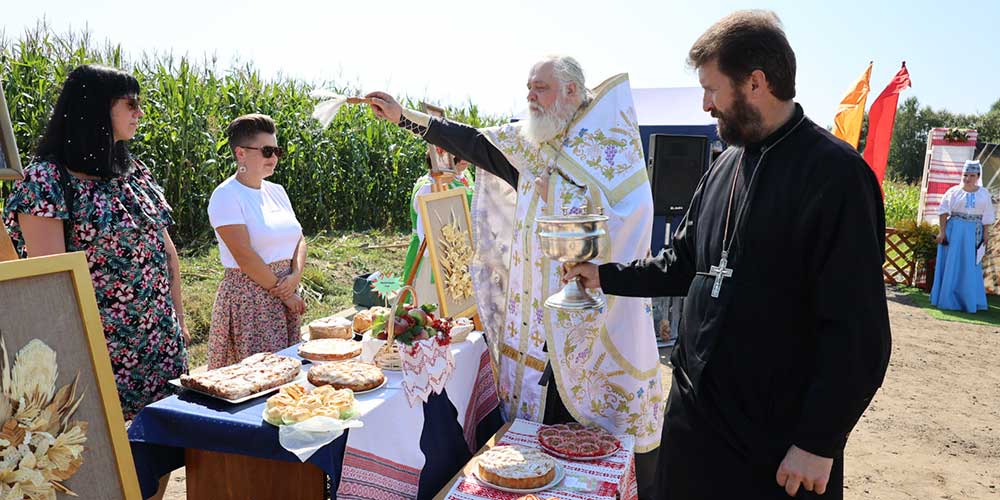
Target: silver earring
<point>242,169</point>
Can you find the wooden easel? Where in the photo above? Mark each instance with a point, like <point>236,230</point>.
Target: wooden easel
<point>439,185</point>
<point>7,251</point>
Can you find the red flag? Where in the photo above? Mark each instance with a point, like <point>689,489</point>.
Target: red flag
<point>881,117</point>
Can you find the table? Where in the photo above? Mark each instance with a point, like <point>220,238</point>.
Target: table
<point>614,476</point>
<point>400,453</point>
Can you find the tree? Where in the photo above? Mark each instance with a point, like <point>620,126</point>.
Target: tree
<point>988,125</point>
<point>909,136</point>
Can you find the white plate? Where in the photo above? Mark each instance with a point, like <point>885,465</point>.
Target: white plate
<point>300,378</point>
<point>306,337</point>
<point>560,473</point>
<point>385,380</point>
<point>577,459</point>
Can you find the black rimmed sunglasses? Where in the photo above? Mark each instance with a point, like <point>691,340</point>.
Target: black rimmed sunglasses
<point>268,151</point>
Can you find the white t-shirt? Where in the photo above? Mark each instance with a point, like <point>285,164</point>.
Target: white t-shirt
<point>266,212</point>
<point>958,200</point>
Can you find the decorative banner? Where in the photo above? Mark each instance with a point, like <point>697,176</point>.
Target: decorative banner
<point>851,112</point>
<point>881,119</point>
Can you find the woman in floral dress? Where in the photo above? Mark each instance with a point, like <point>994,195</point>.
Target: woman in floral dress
<point>86,192</point>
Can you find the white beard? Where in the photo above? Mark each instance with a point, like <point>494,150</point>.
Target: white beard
<point>544,125</point>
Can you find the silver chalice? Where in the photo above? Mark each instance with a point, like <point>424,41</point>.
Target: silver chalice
<point>572,239</point>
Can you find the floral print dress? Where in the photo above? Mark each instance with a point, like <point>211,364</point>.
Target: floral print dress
<point>119,225</point>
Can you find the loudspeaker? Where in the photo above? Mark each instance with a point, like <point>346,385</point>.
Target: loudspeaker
<point>676,164</point>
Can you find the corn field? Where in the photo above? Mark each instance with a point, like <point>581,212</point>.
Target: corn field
<point>356,175</point>
<point>902,201</point>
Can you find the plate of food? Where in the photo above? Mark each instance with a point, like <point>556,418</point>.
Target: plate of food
<point>354,375</point>
<point>517,469</point>
<point>253,377</point>
<point>578,442</point>
<point>295,403</point>
<point>373,389</point>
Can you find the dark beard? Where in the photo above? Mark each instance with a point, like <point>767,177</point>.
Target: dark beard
<point>742,124</point>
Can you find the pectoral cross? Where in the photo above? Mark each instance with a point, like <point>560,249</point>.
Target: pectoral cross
<point>721,272</point>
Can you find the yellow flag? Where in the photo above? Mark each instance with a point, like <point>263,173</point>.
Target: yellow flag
<point>851,112</point>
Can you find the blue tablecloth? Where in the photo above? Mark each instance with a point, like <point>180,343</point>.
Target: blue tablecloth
<point>161,431</point>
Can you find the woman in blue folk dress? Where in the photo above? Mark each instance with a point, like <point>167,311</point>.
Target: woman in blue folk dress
<point>966,215</point>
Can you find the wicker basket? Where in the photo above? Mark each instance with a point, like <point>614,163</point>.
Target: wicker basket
<point>387,357</point>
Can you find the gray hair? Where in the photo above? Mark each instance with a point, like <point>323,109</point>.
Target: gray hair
<point>568,70</point>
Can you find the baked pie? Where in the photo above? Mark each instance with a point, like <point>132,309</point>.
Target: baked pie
<point>333,327</point>
<point>254,374</point>
<point>516,467</point>
<point>577,441</point>
<point>353,375</point>
<point>330,349</point>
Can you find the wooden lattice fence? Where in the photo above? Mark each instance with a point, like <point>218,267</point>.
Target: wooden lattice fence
<point>899,267</point>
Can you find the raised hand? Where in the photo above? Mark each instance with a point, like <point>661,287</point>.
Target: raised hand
<point>385,106</point>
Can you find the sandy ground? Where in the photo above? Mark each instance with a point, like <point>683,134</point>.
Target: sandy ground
<point>933,431</point>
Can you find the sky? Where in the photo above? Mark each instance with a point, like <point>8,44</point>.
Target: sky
<point>456,51</point>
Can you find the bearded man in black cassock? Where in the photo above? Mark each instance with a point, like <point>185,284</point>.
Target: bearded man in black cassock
<point>785,335</point>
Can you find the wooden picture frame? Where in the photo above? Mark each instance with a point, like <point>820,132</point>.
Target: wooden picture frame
<point>10,161</point>
<point>436,211</point>
<point>51,299</point>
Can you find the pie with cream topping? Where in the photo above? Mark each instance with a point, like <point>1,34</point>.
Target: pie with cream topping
<point>353,375</point>
<point>330,349</point>
<point>516,467</point>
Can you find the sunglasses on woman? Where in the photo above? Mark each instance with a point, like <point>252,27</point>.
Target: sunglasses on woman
<point>268,151</point>
<point>132,101</point>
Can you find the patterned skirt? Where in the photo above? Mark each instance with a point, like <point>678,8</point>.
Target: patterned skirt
<point>247,320</point>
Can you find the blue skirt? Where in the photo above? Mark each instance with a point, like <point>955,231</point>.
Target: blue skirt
<point>958,278</point>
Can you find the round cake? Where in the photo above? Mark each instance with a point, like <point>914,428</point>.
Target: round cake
<point>333,327</point>
<point>517,467</point>
<point>577,441</point>
<point>353,375</point>
<point>330,349</point>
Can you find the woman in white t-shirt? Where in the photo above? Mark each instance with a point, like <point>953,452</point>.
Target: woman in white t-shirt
<point>257,308</point>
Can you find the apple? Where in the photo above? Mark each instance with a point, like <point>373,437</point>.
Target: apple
<point>419,316</point>
<point>399,325</point>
